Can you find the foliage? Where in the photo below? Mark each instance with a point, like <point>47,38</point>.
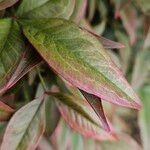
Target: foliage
<point>55,66</point>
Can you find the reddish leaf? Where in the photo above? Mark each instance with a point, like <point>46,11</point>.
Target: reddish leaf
<point>96,104</point>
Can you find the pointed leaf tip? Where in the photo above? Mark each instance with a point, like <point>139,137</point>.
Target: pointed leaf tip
<point>96,104</point>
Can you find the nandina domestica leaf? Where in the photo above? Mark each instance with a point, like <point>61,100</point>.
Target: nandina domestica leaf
<point>16,59</point>
<point>81,117</point>
<point>80,58</point>
<point>25,127</point>
<point>7,3</point>
<point>97,106</point>
<point>5,111</point>
<point>45,9</point>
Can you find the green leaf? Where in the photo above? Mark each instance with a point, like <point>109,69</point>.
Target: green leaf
<point>16,59</point>
<point>7,3</point>
<point>25,127</point>
<point>5,111</point>
<point>45,9</point>
<point>81,117</point>
<point>144,119</point>
<point>80,59</point>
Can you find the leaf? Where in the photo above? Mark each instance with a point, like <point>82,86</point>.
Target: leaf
<point>81,117</point>
<point>96,104</point>
<point>141,69</point>
<point>25,127</point>
<point>45,9</point>
<point>144,119</point>
<point>5,111</point>
<point>80,58</point>
<point>15,60</point>
<point>7,3</point>
<point>52,116</point>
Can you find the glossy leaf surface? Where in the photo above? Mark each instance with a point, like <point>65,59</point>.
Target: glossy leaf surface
<point>80,59</point>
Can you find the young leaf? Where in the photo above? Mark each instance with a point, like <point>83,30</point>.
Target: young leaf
<point>97,106</point>
<point>45,9</point>
<point>144,119</point>
<point>5,111</point>
<point>81,117</point>
<point>25,127</point>
<point>80,59</point>
<point>7,3</point>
